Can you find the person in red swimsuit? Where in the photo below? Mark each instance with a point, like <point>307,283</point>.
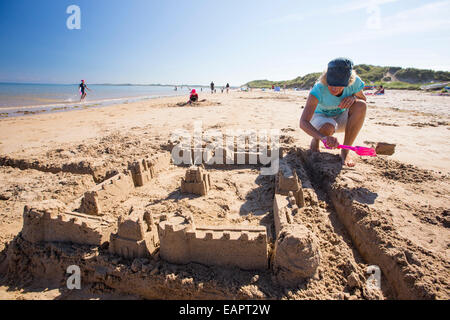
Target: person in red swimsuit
<point>194,97</point>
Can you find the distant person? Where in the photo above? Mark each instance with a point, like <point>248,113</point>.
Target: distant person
<point>83,88</point>
<point>380,90</point>
<point>228,88</point>
<point>212,87</point>
<point>176,88</point>
<point>335,104</point>
<point>223,88</point>
<point>194,97</point>
<point>273,87</point>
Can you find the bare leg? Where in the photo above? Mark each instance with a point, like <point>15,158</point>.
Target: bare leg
<point>328,130</point>
<point>356,117</point>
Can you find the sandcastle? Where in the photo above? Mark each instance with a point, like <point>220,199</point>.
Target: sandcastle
<point>197,181</point>
<point>292,255</point>
<point>135,238</point>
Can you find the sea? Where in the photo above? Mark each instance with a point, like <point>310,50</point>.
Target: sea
<point>17,99</point>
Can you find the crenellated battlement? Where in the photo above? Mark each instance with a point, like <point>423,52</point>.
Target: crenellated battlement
<point>48,221</point>
<point>142,172</point>
<point>243,247</point>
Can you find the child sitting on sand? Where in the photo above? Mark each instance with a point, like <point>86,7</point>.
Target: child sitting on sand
<point>336,103</point>
<point>379,91</point>
<point>194,97</point>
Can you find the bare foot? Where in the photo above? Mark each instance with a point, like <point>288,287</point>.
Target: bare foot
<point>347,159</point>
<point>315,145</point>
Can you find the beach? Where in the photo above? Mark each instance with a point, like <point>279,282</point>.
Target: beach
<point>417,122</point>
<point>412,184</point>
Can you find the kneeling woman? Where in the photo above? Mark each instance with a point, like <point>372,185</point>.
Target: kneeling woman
<point>336,104</point>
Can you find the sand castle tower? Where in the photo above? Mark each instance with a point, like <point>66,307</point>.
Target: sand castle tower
<point>197,181</point>
<point>135,238</point>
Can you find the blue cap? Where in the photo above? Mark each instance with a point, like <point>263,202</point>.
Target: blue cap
<point>339,72</point>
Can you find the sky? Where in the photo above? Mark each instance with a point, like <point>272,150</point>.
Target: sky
<point>199,41</point>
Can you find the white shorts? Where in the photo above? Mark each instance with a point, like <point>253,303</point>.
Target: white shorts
<point>339,122</point>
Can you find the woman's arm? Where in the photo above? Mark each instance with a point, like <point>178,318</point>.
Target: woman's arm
<point>305,121</point>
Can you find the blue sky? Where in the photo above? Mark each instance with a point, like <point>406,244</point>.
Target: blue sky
<point>196,41</point>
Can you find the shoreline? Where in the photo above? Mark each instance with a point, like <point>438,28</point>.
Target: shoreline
<point>71,106</point>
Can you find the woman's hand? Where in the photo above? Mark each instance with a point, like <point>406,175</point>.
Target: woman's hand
<point>330,142</point>
<point>347,102</point>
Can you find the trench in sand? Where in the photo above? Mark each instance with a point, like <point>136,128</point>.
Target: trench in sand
<point>406,239</point>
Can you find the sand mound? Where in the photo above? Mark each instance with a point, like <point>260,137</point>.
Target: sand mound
<point>297,254</point>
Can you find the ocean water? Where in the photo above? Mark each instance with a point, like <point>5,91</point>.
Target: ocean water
<point>37,98</point>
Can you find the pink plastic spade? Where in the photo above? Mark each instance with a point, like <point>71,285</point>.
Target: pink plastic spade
<point>361,151</point>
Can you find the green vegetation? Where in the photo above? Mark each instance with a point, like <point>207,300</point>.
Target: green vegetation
<point>260,84</point>
<point>389,77</point>
<point>399,85</point>
<point>412,75</point>
<point>300,82</point>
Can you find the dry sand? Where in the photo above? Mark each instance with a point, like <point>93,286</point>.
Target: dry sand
<point>409,191</point>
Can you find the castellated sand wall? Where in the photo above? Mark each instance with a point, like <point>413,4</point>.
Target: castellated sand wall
<point>53,221</point>
<point>287,182</point>
<point>297,253</point>
<point>288,196</point>
<point>117,188</point>
<point>145,170</point>
<point>47,221</point>
<point>243,247</point>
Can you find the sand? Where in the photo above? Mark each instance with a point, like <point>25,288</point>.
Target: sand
<point>61,155</point>
<point>416,122</point>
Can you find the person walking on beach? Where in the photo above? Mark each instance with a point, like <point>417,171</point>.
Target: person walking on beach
<point>83,88</point>
<point>336,103</point>
<point>228,88</point>
<point>212,87</point>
